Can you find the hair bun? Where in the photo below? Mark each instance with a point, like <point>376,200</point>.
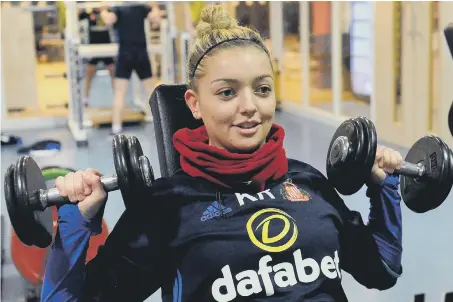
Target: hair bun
<point>214,18</point>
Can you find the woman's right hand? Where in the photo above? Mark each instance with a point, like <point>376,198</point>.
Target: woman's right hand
<point>85,189</point>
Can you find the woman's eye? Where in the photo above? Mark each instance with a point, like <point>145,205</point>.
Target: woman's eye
<point>264,90</point>
<point>227,93</point>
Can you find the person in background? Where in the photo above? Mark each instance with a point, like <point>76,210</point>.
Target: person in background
<point>129,21</point>
<point>98,33</point>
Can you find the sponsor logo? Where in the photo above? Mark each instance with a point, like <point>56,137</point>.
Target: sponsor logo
<point>291,192</point>
<point>263,195</point>
<point>267,275</point>
<point>285,274</point>
<point>214,210</point>
<point>272,219</point>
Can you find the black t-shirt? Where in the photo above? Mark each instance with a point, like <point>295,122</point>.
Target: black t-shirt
<point>98,32</point>
<point>130,25</point>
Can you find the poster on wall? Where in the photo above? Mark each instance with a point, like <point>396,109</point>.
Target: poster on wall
<point>361,45</point>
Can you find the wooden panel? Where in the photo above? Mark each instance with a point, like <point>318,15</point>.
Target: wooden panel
<point>18,58</point>
<point>416,111</point>
<point>384,90</point>
<point>445,74</point>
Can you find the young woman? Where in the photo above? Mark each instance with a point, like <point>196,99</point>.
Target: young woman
<point>240,221</point>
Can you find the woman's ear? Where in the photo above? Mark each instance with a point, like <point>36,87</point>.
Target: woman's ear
<point>192,102</point>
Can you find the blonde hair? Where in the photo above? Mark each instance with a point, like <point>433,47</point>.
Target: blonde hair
<point>216,31</point>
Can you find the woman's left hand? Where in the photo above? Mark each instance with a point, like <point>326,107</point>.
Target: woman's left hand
<point>387,160</point>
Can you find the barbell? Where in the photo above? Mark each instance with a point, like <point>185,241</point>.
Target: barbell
<point>28,200</point>
<point>425,174</point>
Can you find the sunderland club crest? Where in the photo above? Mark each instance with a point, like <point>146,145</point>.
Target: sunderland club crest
<point>291,192</point>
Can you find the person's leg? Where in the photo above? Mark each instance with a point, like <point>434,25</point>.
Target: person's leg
<point>123,73</point>
<point>149,85</point>
<point>110,63</point>
<point>120,89</point>
<point>144,72</point>
<point>90,72</point>
<point>111,69</point>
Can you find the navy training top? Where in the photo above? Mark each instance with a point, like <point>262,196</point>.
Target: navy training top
<point>202,242</point>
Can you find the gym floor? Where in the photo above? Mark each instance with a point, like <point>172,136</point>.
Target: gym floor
<point>427,251</point>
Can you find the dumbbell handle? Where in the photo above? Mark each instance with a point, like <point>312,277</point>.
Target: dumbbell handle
<point>411,170</point>
<point>52,197</point>
<point>340,151</point>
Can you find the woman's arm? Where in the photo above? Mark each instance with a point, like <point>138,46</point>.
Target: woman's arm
<point>65,266</point>
<point>372,253</point>
<point>129,267</point>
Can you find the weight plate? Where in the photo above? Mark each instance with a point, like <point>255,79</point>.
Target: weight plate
<point>427,192</point>
<point>14,211</point>
<point>344,155</point>
<point>28,180</point>
<point>30,260</point>
<point>450,119</point>
<point>448,32</point>
<point>450,161</point>
<point>371,144</point>
<point>120,159</point>
<point>135,151</point>
<point>445,189</point>
<point>362,155</point>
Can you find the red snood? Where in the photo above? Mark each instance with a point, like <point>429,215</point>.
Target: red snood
<point>199,159</point>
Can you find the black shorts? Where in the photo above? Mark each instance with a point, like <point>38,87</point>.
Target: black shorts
<point>133,59</point>
<point>105,61</point>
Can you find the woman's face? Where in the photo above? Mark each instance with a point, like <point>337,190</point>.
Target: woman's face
<point>235,98</point>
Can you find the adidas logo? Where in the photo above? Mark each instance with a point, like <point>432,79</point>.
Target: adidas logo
<point>214,210</point>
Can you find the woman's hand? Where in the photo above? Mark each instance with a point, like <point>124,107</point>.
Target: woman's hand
<point>387,160</point>
<point>85,189</point>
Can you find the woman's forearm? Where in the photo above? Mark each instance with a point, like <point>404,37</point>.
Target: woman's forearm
<point>65,268</point>
<point>385,221</point>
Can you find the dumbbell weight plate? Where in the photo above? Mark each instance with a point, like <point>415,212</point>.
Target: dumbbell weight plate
<point>446,188</point>
<point>37,226</point>
<point>14,210</point>
<point>450,155</point>
<point>371,146</point>
<point>122,166</point>
<point>450,119</point>
<point>430,191</point>
<point>135,151</point>
<point>448,32</point>
<point>347,176</point>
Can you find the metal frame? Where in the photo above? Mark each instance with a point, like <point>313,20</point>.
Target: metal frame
<point>276,31</point>
<point>75,51</point>
<point>110,3</point>
<point>185,42</point>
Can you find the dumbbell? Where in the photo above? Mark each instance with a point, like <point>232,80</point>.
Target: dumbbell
<point>28,200</point>
<point>425,175</point>
<point>448,33</point>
